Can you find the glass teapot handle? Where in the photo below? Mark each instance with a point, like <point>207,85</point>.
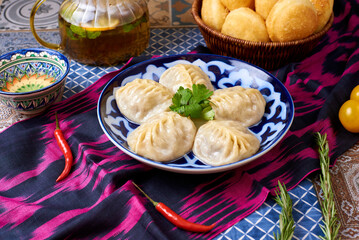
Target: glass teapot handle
<point>37,37</point>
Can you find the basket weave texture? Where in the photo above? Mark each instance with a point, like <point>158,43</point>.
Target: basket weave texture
<point>267,55</point>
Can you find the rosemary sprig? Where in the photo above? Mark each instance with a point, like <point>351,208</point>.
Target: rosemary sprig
<point>331,222</point>
<point>286,222</point>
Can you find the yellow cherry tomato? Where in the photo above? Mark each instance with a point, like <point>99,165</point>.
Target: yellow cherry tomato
<point>349,115</point>
<point>355,94</point>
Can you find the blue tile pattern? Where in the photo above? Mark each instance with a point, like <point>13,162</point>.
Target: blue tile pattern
<point>265,220</point>
<point>259,225</point>
<point>166,41</point>
<point>15,14</point>
<point>163,13</point>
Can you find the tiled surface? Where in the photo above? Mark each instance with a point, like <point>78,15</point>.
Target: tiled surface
<point>163,13</point>
<point>170,13</point>
<point>165,41</point>
<point>15,14</point>
<point>261,224</point>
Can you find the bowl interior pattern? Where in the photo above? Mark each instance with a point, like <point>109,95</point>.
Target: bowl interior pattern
<point>224,72</point>
<point>32,79</point>
<point>29,64</point>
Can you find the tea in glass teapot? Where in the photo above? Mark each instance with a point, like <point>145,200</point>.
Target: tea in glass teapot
<point>100,32</point>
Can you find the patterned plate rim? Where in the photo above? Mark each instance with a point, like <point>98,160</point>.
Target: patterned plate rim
<point>211,169</point>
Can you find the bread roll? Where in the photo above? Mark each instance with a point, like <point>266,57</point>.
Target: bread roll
<point>246,24</point>
<point>234,4</point>
<point>291,20</point>
<point>324,10</point>
<point>263,7</point>
<point>213,13</point>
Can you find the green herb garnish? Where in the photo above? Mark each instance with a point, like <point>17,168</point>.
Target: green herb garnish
<point>93,34</point>
<point>78,32</point>
<point>129,27</point>
<point>195,103</point>
<point>71,34</point>
<point>331,222</point>
<point>286,222</point>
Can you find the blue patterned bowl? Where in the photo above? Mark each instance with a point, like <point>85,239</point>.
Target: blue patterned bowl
<point>32,79</point>
<point>224,72</point>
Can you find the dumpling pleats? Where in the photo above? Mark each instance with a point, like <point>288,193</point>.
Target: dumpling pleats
<point>164,137</point>
<point>246,105</point>
<point>222,142</point>
<point>143,98</point>
<point>184,75</point>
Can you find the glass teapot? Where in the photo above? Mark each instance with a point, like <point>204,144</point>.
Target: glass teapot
<point>100,32</point>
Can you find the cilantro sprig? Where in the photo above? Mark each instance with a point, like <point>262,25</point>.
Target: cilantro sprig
<point>193,103</point>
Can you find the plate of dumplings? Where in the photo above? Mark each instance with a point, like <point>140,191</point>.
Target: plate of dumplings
<point>252,112</point>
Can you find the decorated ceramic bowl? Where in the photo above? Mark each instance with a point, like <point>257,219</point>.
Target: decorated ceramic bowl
<point>32,79</point>
<point>223,72</point>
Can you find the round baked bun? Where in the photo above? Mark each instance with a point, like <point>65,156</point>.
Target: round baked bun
<point>291,20</point>
<point>263,7</point>
<point>246,24</point>
<point>234,4</point>
<point>324,10</point>
<point>213,13</point>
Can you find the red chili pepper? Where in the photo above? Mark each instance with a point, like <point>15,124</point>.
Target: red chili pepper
<point>65,149</point>
<point>176,219</point>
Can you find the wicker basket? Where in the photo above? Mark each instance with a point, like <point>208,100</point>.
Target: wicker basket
<point>267,55</point>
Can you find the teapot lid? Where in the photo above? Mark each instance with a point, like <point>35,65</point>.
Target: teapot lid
<point>105,14</point>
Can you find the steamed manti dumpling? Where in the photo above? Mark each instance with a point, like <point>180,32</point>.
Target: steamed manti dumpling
<point>184,75</point>
<point>164,137</point>
<point>141,99</point>
<point>222,142</point>
<point>245,105</point>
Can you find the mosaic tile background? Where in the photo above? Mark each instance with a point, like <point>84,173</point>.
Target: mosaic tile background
<point>163,13</point>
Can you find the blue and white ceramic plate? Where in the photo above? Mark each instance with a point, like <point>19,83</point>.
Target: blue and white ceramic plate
<point>224,72</point>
